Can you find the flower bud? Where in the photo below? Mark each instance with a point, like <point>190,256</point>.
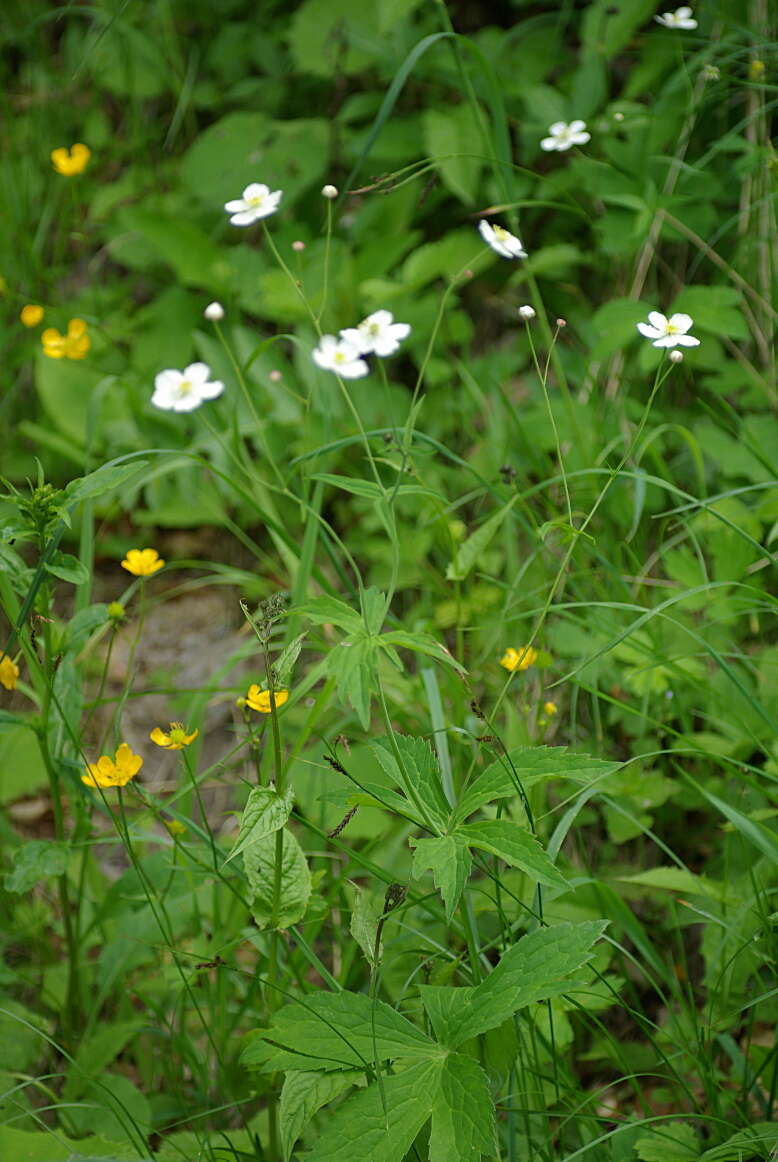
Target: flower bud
<point>298,246</point>
<point>329,191</point>
<point>275,376</point>
<point>527,312</point>
<point>214,312</point>
<point>676,356</point>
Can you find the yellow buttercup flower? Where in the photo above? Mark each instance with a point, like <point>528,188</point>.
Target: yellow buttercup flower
<point>550,708</point>
<point>71,161</point>
<point>175,739</point>
<point>9,672</point>
<point>260,699</point>
<point>142,562</point>
<point>31,314</point>
<point>74,345</point>
<point>113,772</point>
<point>520,659</point>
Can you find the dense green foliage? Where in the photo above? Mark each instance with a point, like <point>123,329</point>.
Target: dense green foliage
<point>430,906</point>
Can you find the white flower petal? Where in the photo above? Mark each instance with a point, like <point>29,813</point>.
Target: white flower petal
<point>235,206</point>
<point>686,341</point>
<point>666,341</point>
<point>557,128</point>
<point>649,332</point>
<point>188,402</point>
<point>167,380</point>
<point>197,373</point>
<point>211,390</point>
<point>255,190</point>
<point>657,320</point>
<point>353,370</point>
<point>681,322</point>
<point>577,126</point>
<point>245,218</point>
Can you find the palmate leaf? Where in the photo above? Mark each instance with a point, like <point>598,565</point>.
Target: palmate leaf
<point>532,970</point>
<point>336,1031</point>
<point>419,775</point>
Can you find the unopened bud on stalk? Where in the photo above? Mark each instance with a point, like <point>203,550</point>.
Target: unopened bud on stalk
<point>298,245</point>
<point>329,191</point>
<point>214,312</point>
<point>676,356</point>
<point>527,312</point>
<point>561,323</point>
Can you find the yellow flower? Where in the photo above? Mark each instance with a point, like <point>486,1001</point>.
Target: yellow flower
<point>74,345</point>
<point>71,161</point>
<point>756,70</point>
<point>142,562</point>
<point>260,699</point>
<point>177,739</point>
<point>9,672</point>
<point>174,827</point>
<point>115,611</point>
<point>520,659</point>
<point>31,314</point>
<point>550,708</point>
<point>108,772</point>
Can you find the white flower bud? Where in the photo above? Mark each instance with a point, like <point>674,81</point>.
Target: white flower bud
<point>329,191</point>
<point>676,356</point>
<point>527,312</point>
<point>214,312</point>
<point>298,246</point>
<point>618,116</point>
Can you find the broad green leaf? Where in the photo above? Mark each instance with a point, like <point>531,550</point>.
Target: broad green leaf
<point>113,1107</point>
<point>96,1052</point>
<point>373,609</point>
<point>336,1031</point>
<point>615,325</point>
<point>194,257</point>
<point>454,142</point>
<point>469,552</point>
<point>608,25</point>
<point>756,833</point>
<point>83,624</point>
<point>352,663</point>
<point>284,665</point>
<point>422,643</point>
<point>419,775</point>
<point>532,970</point>
<point>526,766</point>
<point>67,568</point>
<point>360,1129</point>
<point>463,1126</point>
<point>714,308</point>
<point>302,1094</point>
<point>676,879</point>
<point>668,1142</point>
<point>54,1146</point>
<point>326,610</point>
<point>259,860</point>
<point>516,846</point>
<point>449,859</point>
<point>265,812</point>
<point>22,1044</point>
<point>35,860</point>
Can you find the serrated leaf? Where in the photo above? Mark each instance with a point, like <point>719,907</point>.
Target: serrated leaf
<point>463,1126</point>
<point>449,859</point>
<point>758,1141</point>
<point>351,662</point>
<point>285,663</point>
<point>422,643</point>
<point>528,765</point>
<point>419,775</point>
<point>342,1030</point>
<point>365,914</point>
<point>67,568</point>
<point>259,860</point>
<point>36,860</point>
<point>265,812</point>
<point>361,1129</point>
<point>373,608</point>
<point>302,1094</point>
<point>515,846</point>
<point>326,610</point>
<point>532,970</point>
<point>668,1142</point>
<point>471,549</point>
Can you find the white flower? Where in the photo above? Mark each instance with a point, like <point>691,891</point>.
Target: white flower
<point>378,334</point>
<point>676,356</point>
<point>257,202</point>
<point>183,391</point>
<point>507,245</point>
<point>339,355</point>
<point>527,312</point>
<point>329,191</point>
<point>214,312</point>
<point>562,135</point>
<point>681,18</point>
<point>668,332</point>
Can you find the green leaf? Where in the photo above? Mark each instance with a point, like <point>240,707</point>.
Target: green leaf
<point>342,1030</point>
<point>265,812</point>
<point>756,833</point>
<point>454,142</point>
<point>53,1146</point>
<point>668,1142</point>
<point>472,549</point>
<point>259,860</point>
<point>463,1126</point>
<point>102,480</point>
<point>195,258</point>
<point>67,568</point>
<point>36,860</point>
<point>449,859</point>
<point>96,1052</point>
<point>351,662</point>
<point>365,914</point>
<point>615,325</point>
<point>373,609</point>
<point>326,610</point>
<point>284,665</point>
<point>758,1141</point>
<point>532,970</point>
<point>83,624</point>
<point>516,846</point>
<point>714,308</point>
<point>419,775</point>
<point>361,1129</point>
<point>528,765</point>
<point>302,1094</point>
<point>22,770</point>
<point>112,1106</point>
<point>422,643</point>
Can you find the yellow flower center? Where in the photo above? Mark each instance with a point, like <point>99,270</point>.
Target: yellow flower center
<point>671,329</point>
<point>256,201</point>
<point>177,733</point>
<point>500,234</point>
<point>185,387</point>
